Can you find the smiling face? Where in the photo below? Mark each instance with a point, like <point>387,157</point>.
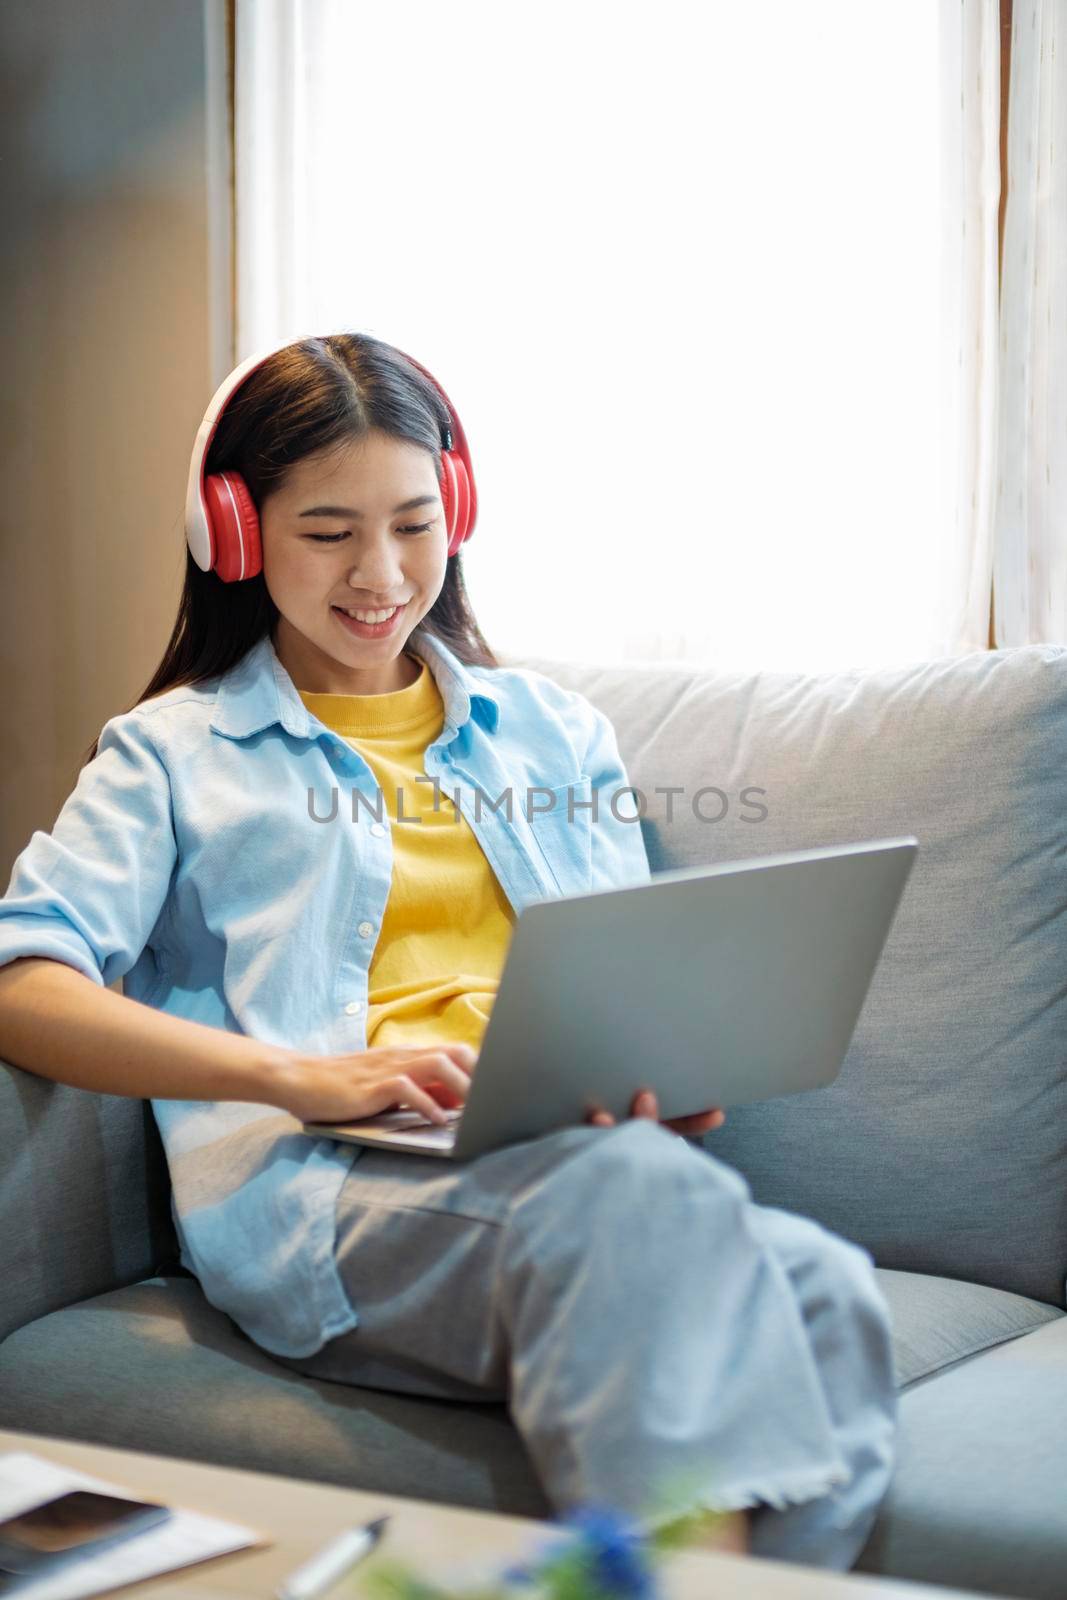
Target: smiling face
<point>361,527</point>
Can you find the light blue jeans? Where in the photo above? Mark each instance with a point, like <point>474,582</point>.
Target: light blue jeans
<point>654,1332</point>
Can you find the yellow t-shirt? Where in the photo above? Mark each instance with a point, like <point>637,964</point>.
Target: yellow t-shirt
<point>447,925</point>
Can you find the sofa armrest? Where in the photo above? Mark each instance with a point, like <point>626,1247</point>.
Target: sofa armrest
<point>84,1195</point>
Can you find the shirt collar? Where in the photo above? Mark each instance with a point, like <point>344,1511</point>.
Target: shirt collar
<point>258,692</point>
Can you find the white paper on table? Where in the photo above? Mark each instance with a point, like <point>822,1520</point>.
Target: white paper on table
<point>27,1480</point>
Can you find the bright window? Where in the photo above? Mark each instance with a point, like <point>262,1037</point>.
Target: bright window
<point>679,270</point>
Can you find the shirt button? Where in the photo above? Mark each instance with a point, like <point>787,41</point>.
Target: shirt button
<point>354,1007</point>
<point>366,929</point>
<point>377,829</point>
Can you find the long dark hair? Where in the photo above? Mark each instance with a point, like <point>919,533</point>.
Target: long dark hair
<point>310,395</point>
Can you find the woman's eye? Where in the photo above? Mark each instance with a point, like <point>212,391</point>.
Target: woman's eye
<point>332,538</point>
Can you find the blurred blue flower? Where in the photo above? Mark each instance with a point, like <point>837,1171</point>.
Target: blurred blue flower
<point>608,1548</point>
<point>618,1550</point>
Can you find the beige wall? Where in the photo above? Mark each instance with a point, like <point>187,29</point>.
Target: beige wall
<point>110,242</point>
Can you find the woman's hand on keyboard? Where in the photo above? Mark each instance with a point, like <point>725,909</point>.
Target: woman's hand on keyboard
<point>645,1104</point>
<point>346,1088</point>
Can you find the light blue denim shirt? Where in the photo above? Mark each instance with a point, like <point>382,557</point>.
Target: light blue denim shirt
<point>192,861</point>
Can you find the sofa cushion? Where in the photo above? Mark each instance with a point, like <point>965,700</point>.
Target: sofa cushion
<point>942,1145</point>
<point>939,1321</point>
<point>976,1493</point>
<point>155,1367</point>
<point>977,1496</point>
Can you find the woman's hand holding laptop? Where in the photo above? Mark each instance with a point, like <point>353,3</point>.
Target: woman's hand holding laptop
<point>644,1104</point>
<point>431,1079</point>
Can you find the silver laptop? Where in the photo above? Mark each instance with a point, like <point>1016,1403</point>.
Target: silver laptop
<point>712,986</point>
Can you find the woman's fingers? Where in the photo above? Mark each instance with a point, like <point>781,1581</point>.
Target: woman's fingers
<point>454,1073</point>
<point>464,1054</point>
<point>646,1104</point>
<point>701,1122</point>
<point>643,1104</point>
<point>402,1090</point>
<point>433,1081</point>
<point>442,1073</point>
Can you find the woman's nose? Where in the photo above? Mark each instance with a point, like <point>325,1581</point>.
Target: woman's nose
<point>376,568</point>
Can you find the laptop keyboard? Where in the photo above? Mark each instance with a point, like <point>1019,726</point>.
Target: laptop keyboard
<point>405,1120</point>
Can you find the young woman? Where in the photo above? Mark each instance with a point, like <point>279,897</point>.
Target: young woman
<point>288,850</point>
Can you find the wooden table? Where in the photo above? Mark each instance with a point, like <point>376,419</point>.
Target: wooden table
<point>436,1540</point>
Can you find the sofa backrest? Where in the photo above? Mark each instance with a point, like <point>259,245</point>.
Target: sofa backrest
<point>84,1196</point>
<point>942,1145</point>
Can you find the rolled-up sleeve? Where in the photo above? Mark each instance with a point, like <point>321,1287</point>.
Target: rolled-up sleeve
<point>90,892</point>
<point>619,857</point>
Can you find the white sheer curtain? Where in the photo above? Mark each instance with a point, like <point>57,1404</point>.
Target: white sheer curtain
<point>687,278</point>
<point>969,379</point>
<point>1030,565</point>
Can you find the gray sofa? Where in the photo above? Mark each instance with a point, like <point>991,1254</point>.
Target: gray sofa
<point>941,1147</point>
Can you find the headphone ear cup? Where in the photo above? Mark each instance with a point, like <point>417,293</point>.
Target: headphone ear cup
<point>237,550</point>
<point>457,497</point>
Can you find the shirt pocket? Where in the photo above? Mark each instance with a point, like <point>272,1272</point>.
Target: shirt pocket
<point>564,831</point>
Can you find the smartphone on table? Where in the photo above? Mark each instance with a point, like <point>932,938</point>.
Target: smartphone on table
<point>79,1521</point>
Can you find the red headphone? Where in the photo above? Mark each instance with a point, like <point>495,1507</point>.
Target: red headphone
<point>221,520</point>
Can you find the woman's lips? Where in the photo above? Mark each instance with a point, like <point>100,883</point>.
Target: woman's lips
<point>369,630</point>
